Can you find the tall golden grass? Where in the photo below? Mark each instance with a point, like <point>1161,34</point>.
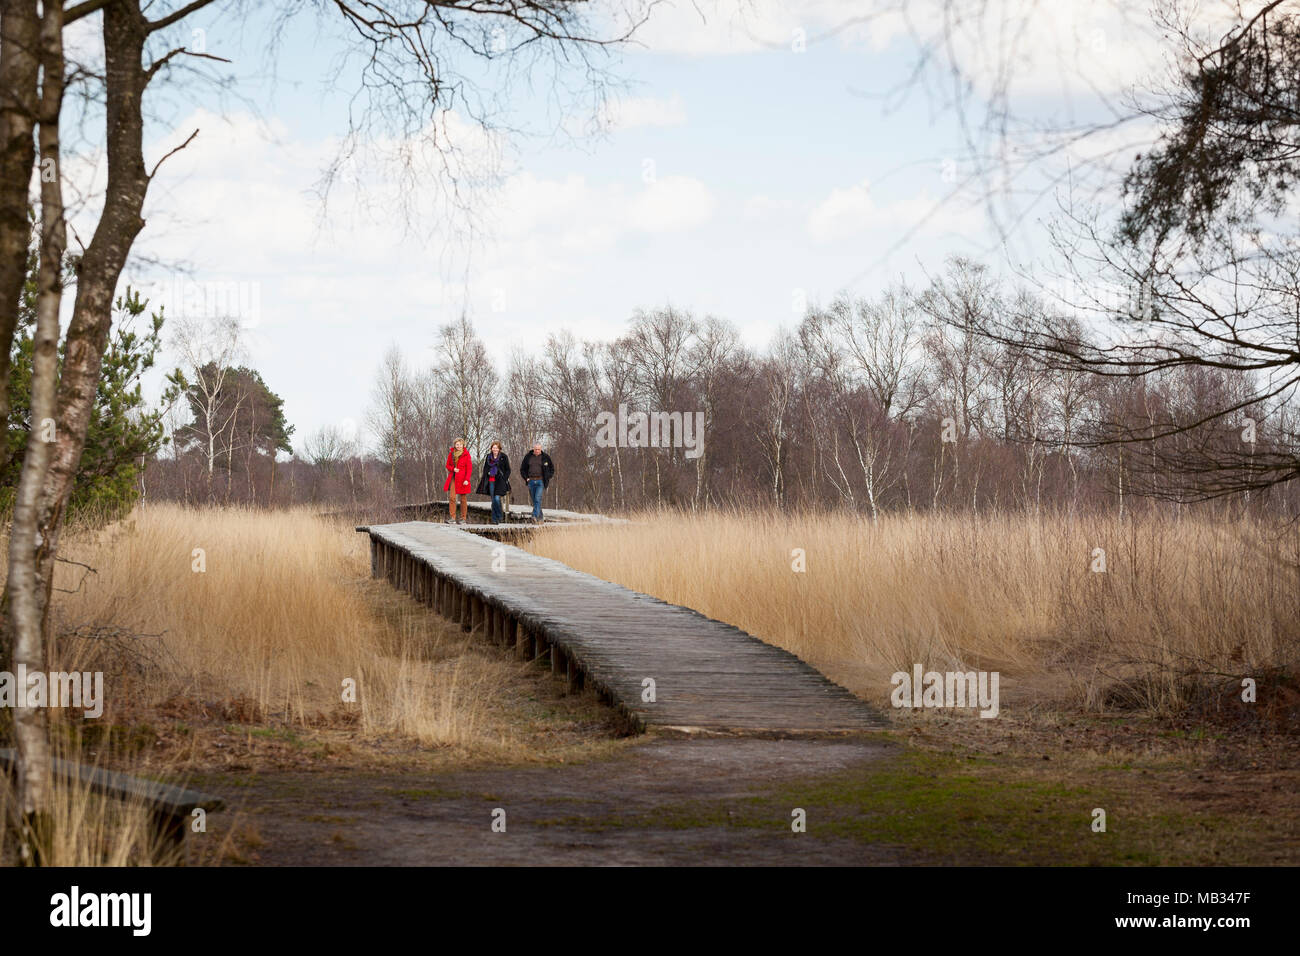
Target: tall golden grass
<point>271,610</point>
<point>87,831</point>
<point>256,618</point>
<point>1179,597</point>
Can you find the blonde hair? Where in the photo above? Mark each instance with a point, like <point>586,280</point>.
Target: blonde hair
<point>460,442</point>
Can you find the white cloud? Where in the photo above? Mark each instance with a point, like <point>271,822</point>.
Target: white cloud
<point>629,112</point>
<point>725,27</point>
<point>640,111</point>
<point>670,204</point>
<point>1074,47</point>
<point>843,213</point>
<point>577,216</point>
<point>853,211</point>
<point>722,27</point>
<point>765,208</point>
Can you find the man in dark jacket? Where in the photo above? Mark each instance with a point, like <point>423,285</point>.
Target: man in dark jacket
<point>537,469</point>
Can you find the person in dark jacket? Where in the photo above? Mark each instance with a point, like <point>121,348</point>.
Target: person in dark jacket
<point>537,469</point>
<point>495,480</point>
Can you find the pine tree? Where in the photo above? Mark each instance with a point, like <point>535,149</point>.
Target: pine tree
<point>124,431</point>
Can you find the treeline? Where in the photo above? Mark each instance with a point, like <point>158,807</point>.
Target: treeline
<point>888,403</point>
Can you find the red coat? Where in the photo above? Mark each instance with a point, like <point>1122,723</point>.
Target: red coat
<point>461,470</point>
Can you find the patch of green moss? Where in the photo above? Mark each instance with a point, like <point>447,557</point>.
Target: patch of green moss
<point>277,733</point>
<point>953,808</point>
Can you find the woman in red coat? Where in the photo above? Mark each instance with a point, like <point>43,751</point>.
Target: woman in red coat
<point>459,468</point>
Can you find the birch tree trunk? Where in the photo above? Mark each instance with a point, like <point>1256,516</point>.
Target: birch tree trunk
<point>19,71</point>
<point>124,31</point>
<point>26,587</point>
<point>19,77</point>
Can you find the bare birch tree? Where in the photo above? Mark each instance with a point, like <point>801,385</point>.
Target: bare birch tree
<point>388,410</point>
<point>28,578</point>
<point>467,383</point>
<point>210,348</point>
<point>20,27</point>
<point>716,347</point>
<point>660,343</point>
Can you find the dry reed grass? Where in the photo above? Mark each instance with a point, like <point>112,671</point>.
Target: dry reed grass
<point>268,610</point>
<point>1182,600</point>
<point>236,624</point>
<point>284,610</point>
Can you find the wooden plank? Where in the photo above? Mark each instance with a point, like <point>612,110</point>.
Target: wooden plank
<point>513,513</point>
<point>164,797</point>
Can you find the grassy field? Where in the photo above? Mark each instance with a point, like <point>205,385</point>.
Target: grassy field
<point>273,617</point>
<point>1183,610</point>
<point>227,638</point>
<point>1122,688</point>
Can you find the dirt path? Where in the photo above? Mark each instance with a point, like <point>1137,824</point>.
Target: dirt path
<point>663,801</point>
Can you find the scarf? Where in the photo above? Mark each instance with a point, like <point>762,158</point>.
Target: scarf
<point>492,467</point>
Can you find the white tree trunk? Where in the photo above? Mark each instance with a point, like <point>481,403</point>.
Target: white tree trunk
<point>25,587</point>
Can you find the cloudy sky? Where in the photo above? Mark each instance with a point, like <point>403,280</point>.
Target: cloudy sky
<point>755,155</point>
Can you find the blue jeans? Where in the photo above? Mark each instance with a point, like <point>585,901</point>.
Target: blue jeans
<point>497,512</point>
<point>535,489</point>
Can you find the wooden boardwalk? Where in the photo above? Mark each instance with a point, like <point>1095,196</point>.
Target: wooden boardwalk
<point>436,510</point>
<point>708,677</point>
